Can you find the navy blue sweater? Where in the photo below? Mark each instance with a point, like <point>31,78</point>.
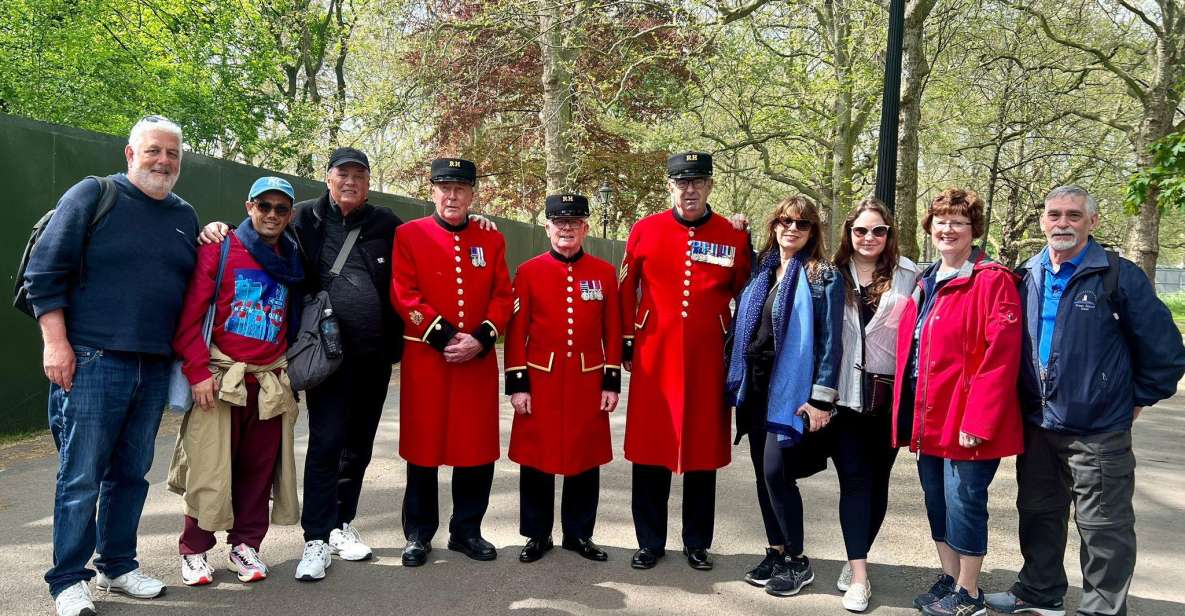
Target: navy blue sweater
<point>126,295</point>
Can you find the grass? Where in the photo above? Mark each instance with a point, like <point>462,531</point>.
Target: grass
<point>16,437</point>
<point>1176,304</point>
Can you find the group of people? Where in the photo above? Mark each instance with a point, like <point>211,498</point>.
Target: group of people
<point>845,358</point>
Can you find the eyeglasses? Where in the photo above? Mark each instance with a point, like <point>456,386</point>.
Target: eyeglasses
<point>953,225</point>
<point>567,223</point>
<point>877,231</point>
<point>268,208</point>
<point>794,223</point>
<point>1056,215</point>
<point>697,183</point>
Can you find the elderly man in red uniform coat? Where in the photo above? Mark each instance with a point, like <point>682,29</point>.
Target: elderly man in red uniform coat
<point>563,375</point>
<point>451,287</point>
<point>681,270</point>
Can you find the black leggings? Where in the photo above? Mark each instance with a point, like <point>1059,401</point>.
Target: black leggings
<point>863,460</point>
<point>859,446</point>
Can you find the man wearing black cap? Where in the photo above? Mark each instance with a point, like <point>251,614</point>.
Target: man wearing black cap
<point>451,286</point>
<point>680,272</point>
<point>563,375</point>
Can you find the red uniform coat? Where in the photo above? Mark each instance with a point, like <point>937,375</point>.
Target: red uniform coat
<point>447,279</point>
<point>969,356</point>
<point>677,280</point>
<point>563,347</point>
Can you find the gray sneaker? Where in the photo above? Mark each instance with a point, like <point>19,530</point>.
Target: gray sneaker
<point>790,576</point>
<point>941,587</point>
<point>1008,603</point>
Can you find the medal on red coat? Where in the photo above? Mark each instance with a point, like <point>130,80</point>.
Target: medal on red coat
<point>713,253</point>
<point>477,256</point>
<point>591,290</point>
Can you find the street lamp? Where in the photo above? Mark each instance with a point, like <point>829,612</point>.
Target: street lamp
<point>603,193</point>
<point>886,162</point>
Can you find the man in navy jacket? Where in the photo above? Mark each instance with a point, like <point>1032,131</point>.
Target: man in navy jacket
<point>1098,347</point>
<point>107,305</point>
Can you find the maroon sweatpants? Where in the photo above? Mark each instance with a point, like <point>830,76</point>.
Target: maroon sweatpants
<point>254,445</point>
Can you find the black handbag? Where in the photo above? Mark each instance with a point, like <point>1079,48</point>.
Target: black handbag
<point>876,390</point>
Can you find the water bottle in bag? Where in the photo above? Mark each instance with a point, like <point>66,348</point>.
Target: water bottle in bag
<point>331,335</point>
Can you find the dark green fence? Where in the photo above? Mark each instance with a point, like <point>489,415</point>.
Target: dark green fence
<point>39,161</point>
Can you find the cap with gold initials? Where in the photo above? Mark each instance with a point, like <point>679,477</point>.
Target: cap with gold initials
<point>454,170</point>
<point>689,165</point>
<point>567,206</point>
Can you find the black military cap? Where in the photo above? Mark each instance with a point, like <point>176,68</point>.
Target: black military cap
<point>689,165</point>
<point>567,206</point>
<point>454,170</point>
<point>342,156</point>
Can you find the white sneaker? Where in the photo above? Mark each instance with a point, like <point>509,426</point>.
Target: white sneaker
<point>314,561</point>
<point>856,598</point>
<point>196,570</point>
<point>347,543</point>
<point>134,583</point>
<point>245,562</point>
<point>845,577</point>
<point>75,600</point>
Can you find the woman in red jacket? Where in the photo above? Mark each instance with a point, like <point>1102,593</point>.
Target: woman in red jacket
<point>955,400</point>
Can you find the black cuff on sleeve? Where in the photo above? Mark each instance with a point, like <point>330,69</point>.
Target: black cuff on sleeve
<point>627,349</point>
<point>518,381</point>
<point>823,406</point>
<point>487,335</point>
<point>612,379</point>
<point>439,335</point>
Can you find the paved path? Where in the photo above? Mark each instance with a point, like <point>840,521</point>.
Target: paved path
<point>562,583</point>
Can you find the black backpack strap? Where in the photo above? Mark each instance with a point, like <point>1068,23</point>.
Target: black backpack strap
<point>107,194</point>
<point>1111,278</point>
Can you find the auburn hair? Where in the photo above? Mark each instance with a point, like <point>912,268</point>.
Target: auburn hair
<point>886,263</point>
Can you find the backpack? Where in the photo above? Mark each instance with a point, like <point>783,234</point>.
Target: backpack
<point>107,194</point>
<point>1110,281</point>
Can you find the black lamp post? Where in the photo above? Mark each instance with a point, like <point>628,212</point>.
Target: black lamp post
<point>603,194</point>
<point>886,161</point>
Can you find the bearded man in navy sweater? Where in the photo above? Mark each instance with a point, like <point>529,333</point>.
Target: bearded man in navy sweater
<point>107,306</point>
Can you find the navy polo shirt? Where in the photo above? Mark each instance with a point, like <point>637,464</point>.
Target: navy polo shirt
<point>1052,286</point>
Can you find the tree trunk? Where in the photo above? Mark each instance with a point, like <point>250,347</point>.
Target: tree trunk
<point>915,69</point>
<point>1143,237</point>
<point>556,115</point>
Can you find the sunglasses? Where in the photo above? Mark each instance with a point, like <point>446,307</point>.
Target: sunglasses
<point>877,231</point>
<point>268,208</point>
<point>794,223</point>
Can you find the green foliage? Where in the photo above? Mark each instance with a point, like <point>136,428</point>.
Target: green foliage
<point>1165,176</point>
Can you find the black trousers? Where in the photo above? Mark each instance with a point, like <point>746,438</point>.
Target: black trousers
<point>578,506</point>
<point>864,460</point>
<point>344,414</point>
<point>652,490</point>
<point>471,498</point>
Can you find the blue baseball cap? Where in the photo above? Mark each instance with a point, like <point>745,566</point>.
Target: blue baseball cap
<point>267,183</point>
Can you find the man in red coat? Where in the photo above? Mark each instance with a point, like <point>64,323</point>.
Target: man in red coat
<point>563,375</point>
<point>681,270</point>
<point>451,287</point>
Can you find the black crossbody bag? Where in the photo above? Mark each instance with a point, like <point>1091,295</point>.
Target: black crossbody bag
<point>876,390</point>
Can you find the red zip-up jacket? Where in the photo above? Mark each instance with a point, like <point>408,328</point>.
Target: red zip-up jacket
<point>968,360</point>
<point>250,323</point>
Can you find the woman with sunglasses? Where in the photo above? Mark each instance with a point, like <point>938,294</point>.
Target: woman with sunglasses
<point>878,282</point>
<point>782,376</point>
<point>958,354</point>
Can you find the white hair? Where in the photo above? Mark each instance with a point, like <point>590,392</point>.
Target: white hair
<point>1075,191</point>
<point>154,122</point>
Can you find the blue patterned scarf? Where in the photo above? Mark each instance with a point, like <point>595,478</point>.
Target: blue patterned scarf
<point>793,325</point>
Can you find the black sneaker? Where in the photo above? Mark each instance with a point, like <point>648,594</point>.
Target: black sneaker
<point>760,575</point>
<point>1008,603</point>
<point>942,587</point>
<point>790,575</point>
<point>959,603</point>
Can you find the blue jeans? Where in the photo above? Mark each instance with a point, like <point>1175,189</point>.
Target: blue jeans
<point>956,501</point>
<point>105,431</point>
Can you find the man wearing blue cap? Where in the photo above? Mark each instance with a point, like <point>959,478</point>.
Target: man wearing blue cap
<point>234,449</point>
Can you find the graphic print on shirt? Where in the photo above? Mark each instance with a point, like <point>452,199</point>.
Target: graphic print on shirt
<point>258,308</point>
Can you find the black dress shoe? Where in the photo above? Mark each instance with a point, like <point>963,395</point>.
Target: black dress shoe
<point>415,553</point>
<point>585,548</point>
<point>535,549</point>
<point>646,558</point>
<point>698,558</point>
<point>474,547</point>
